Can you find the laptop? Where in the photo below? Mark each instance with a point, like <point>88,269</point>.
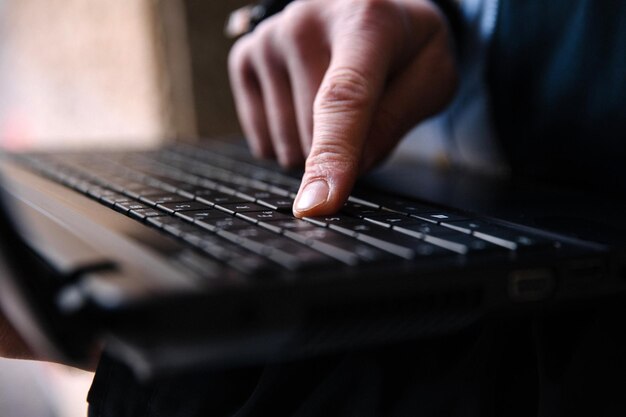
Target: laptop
<point>187,256</point>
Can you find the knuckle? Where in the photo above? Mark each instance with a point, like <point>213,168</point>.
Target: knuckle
<point>296,18</point>
<point>370,8</point>
<point>347,89</point>
<point>238,57</point>
<point>253,49</point>
<point>366,14</point>
<point>263,48</point>
<point>299,29</point>
<point>331,155</point>
<point>295,35</point>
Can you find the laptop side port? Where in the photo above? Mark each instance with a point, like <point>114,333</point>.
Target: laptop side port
<point>531,284</point>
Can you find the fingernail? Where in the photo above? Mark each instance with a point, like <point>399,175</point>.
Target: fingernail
<point>312,195</point>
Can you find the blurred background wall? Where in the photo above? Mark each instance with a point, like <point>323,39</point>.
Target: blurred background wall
<point>84,72</point>
<point>102,73</point>
<point>209,51</point>
<point>75,71</point>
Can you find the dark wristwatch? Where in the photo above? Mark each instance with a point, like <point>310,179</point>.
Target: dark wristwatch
<point>245,19</point>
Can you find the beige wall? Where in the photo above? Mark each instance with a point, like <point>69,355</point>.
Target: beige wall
<point>209,53</point>
<point>78,72</point>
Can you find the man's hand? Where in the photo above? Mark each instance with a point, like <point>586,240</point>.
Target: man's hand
<point>338,83</point>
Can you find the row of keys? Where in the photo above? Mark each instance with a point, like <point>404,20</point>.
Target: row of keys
<point>254,215</point>
<point>209,225</point>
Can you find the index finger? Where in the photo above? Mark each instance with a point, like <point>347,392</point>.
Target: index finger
<point>342,113</point>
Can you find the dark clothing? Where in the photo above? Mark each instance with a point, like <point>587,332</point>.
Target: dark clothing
<point>557,77</point>
<point>468,374</point>
<point>571,364</point>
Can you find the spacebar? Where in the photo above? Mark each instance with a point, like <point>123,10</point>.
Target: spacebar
<point>347,250</point>
<point>388,241</point>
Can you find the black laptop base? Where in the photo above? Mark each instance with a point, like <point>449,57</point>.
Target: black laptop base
<point>190,256</point>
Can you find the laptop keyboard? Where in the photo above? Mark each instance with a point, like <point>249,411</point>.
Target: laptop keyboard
<point>238,212</point>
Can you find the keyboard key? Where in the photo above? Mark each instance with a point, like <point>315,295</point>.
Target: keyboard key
<point>183,206</point>
<point>253,193</point>
<point>218,248</point>
<point>264,216</point>
<point>389,219</point>
<point>406,207</point>
<point>201,191</point>
<point>399,244</point>
<point>398,250</point>
<point>194,215</point>
<point>512,239</point>
<point>196,235</point>
<point>180,187</point>
<point>422,228</point>
<point>226,187</point>
<point>127,206</point>
<point>467,226</point>
<point>294,256</point>
<point>153,200</point>
<point>293,224</point>
<point>306,236</point>
<point>143,214</point>
<point>338,246</point>
<point>283,251</point>
<point>215,224</point>
<point>99,192</point>
<point>363,201</point>
<point>352,229</point>
<point>250,237</point>
<point>111,199</point>
<point>240,207</point>
<point>245,193</point>
<point>145,191</point>
<point>170,224</point>
<point>253,265</point>
<point>440,216</point>
<point>462,243</point>
<point>359,210</point>
<point>351,252</point>
<point>204,267</point>
<point>238,258</point>
<point>284,191</point>
<point>220,199</point>
<point>129,185</point>
<point>280,204</point>
<point>326,221</point>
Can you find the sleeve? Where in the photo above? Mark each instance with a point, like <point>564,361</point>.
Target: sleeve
<point>463,135</point>
<point>556,79</point>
